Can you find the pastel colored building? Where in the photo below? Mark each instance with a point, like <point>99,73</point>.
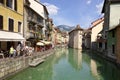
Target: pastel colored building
<point>96,28</point>
<point>11,23</point>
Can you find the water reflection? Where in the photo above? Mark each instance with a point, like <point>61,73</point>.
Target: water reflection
<point>75,58</point>
<point>71,64</point>
<point>107,70</point>
<point>94,69</point>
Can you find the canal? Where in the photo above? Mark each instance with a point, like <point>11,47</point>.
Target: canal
<point>70,64</point>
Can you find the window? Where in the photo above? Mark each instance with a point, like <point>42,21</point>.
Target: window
<point>113,33</point>
<point>113,49</point>
<point>11,25</point>
<point>1,22</point>
<point>0,45</point>
<point>19,26</point>
<point>105,45</point>
<point>15,5</point>
<point>9,3</point>
<point>12,4</point>
<point>100,45</point>
<point>2,1</point>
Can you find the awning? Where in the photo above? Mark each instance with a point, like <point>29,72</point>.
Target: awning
<point>40,44</point>
<point>46,42</point>
<point>10,36</point>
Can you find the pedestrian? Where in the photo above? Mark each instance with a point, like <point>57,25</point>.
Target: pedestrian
<point>14,53</point>
<point>18,48</point>
<point>11,52</point>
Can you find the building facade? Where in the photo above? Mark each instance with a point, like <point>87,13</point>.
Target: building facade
<point>118,43</point>
<point>75,38</point>
<point>87,38</point>
<point>110,9</point>
<point>33,24</point>
<point>11,23</point>
<point>96,28</point>
<point>35,20</point>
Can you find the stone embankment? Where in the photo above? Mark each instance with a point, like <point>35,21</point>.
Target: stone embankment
<point>10,66</point>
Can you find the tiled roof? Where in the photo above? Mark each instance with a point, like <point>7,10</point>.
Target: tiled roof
<point>96,22</point>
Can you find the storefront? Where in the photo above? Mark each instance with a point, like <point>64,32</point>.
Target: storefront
<point>8,39</point>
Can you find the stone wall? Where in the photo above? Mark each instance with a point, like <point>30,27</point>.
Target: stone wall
<point>10,66</point>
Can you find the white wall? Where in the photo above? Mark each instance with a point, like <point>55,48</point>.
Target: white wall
<point>95,31</point>
<point>114,15</point>
<point>37,7</point>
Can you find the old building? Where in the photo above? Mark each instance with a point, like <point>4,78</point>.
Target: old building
<point>112,19</point>
<point>58,36</point>
<point>49,29</point>
<point>87,38</point>
<point>11,23</point>
<point>96,28</point>
<point>75,38</point>
<point>118,43</point>
<point>35,20</point>
<point>54,34</point>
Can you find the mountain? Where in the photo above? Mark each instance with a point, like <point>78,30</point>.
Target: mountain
<point>65,27</point>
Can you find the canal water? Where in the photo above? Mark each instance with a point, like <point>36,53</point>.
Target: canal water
<point>70,64</point>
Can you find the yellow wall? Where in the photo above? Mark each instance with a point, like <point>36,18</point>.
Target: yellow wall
<point>9,13</point>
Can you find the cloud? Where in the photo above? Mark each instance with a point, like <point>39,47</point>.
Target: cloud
<point>99,7</point>
<point>52,9</point>
<point>59,20</point>
<point>89,1</point>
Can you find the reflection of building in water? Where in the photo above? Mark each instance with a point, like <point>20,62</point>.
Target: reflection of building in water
<point>75,58</point>
<point>60,51</point>
<point>94,69</point>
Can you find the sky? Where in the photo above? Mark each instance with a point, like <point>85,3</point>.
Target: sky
<point>74,12</point>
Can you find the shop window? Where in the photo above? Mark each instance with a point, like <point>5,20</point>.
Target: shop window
<point>11,25</point>
<point>1,22</point>
<point>19,26</point>
<point>2,1</point>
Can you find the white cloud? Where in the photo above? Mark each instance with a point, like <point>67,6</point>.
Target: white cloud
<point>89,1</point>
<point>99,7</point>
<point>52,9</point>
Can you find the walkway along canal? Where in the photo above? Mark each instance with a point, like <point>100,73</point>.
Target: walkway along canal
<point>70,64</point>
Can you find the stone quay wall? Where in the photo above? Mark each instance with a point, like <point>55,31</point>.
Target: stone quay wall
<point>10,66</point>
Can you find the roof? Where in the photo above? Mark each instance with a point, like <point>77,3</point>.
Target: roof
<point>77,29</point>
<point>39,8</point>
<point>114,27</point>
<point>106,1</point>
<point>96,22</point>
